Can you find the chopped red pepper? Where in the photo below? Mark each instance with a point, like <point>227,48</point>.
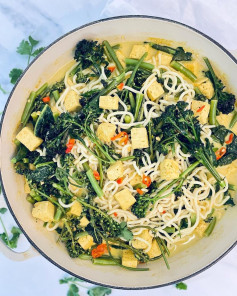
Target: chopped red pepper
<point>120,180</point>
<point>139,191</point>
<point>221,152</point>
<point>120,86</point>
<point>111,68</point>
<point>163,212</point>
<point>99,251</point>
<point>230,140</point>
<point>115,214</point>
<point>70,145</point>
<point>201,108</point>
<point>96,175</point>
<point>122,135</point>
<point>46,99</point>
<point>146,180</point>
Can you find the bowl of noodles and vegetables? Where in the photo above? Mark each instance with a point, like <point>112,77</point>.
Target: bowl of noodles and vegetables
<point>127,150</point>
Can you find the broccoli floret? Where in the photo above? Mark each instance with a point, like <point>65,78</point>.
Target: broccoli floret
<point>90,54</point>
<point>59,86</point>
<point>21,168</point>
<point>226,102</point>
<point>140,207</point>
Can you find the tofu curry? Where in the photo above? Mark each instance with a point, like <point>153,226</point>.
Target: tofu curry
<point>130,151</point>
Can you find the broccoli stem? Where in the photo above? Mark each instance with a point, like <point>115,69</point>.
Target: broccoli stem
<point>162,252</point>
<point>143,65</point>
<point>212,112</point>
<point>138,64</point>
<point>132,101</point>
<point>30,104</point>
<point>233,120</point>
<point>105,261</point>
<point>204,160</point>
<point>92,179</point>
<point>209,66</point>
<point>210,227</point>
<point>197,90</point>
<point>139,99</point>
<point>113,56</point>
<point>30,199</point>
<point>164,48</point>
<point>150,140</point>
<point>58,214</point>
<point>179,67</point>
<point>85,257</point>
<point>112,85</point>
<point>56,95</point>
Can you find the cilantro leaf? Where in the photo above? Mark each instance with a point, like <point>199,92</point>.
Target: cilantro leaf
<point>125,232</point>
<point>67,280</point>
<point>73,290</point>
<point>181,286</point>
<point>33,42</point>
<point>16,232</point>
<point>99,291</point>
<point>37,51</point>
<point>15,74</point>
<point>3,90</point>
<point>3,210</point>
<point>24,48</point>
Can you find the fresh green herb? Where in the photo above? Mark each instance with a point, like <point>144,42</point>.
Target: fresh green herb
<point>125,232</point>
<point>75,284</point>
<point>14,74</point>
<point>26,47</point>
<point>3,90</point>
<point>16,232</point>
<point>181,286</point>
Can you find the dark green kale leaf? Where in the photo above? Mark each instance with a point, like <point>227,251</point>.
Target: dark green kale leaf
<point>219,133</point>
<point>41,173</point>
<point>181,55</point>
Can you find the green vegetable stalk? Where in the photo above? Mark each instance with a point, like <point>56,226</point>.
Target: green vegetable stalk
<point>92,179</point>
<point>143,65</point>
<point>113,56</point>
<point>179,67</point>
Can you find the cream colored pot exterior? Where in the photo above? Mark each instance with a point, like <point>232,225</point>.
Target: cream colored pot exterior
<point>186,263</point>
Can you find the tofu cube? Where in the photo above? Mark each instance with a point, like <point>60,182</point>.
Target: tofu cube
<point>154,250</point>
<point>44,211</point>
<point>138,51</point>
<point>145,235</point>
<point>125,199</point>
<point>109,102</point>
<point>206,87</point>
<point>26,137</point>
<point>155,91</point>
<point>200,110</point>
<point>115,171</point>
<point>79,192</point>
<point>75,209</point>
<point>164,58</point>
<point>26,186</point>
<point>121,58</point>
<point>135,180</point>
<point>169,169</point>
<point>202,226</point>
<point>86,242</point>
<point>84,221</point>
<point>71,101</point>
<point>139,138</point>
<point>193,66</point>
<point>128,259</point>
<point>106,131</point>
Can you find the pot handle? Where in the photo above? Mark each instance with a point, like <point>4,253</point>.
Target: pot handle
<point>17,256</point>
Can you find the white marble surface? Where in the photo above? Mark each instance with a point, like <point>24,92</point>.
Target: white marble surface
<point>46,20</point>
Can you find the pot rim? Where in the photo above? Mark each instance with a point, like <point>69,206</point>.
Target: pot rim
<point>1,126</point>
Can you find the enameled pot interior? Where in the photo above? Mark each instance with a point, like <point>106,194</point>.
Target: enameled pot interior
<point>184,264</point>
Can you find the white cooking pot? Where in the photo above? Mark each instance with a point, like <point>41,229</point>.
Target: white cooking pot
<point>126,28</point>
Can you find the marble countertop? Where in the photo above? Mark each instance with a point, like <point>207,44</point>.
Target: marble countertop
<point>47,20</point>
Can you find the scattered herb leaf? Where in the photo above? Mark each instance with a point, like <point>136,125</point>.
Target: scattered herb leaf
<point>15,74</point>
<point>181,286</point>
